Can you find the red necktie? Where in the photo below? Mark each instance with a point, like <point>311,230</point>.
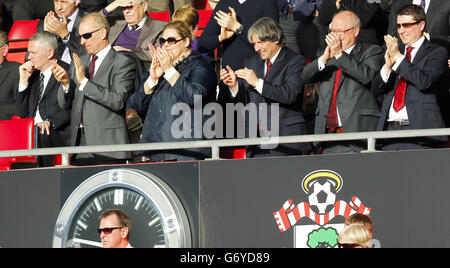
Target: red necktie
<point>269,65</point>
<point>400,92</point>
<point>332,119</point>
<point>92,67</point>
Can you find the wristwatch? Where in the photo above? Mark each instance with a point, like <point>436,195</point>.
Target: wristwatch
<point>240,30</point>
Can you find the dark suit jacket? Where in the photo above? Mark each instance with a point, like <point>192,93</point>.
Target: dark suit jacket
<point>27,104</point>
<point>102,102</point>
<point>9,82</point>
<point>357,107</point>
<point>437,24</point>
<point>73,43</point>
<point>422,74</point>
<point>282,86</point>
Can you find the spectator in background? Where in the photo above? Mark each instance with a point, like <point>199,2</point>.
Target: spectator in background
<point>362,219</point>
<point>136,31</point>
<point>97,96</point>
<point>177,77</point>
<point>167,5</point>
<point>354,236</point>
<point>89,6</point>
<point>345,72</point>
<point>31,9</point>
<point>9,80</point>
<point>114,229</point>
<point>272,76</point>
<point>409,80</point>
<point>189,15</point>
<point>64,24</point>
<point>37,95</point>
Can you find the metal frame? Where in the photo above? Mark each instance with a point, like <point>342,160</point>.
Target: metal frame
<point>215,145</point>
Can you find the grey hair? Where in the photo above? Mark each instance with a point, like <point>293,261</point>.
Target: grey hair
<point>266,29</point>
<point>46,39</point>
<point>98,20</point>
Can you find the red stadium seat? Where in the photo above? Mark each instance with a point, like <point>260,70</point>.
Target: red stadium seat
<point>162,16</point>
<point>18,37</point>
<point>205,16</point>
<point>202,4</point>
<point>233,153</point>
<point>17,134</point>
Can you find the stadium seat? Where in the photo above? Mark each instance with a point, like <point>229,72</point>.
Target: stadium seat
<point>205,16</point>
<point>162,16</point>
<point>17,134</point>
<point>233,153</point>
<point>202,4</point>
<point>18,37</point>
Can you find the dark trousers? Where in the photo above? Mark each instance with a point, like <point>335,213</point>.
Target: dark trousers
<point>48,141</point>
<point>91,159</point>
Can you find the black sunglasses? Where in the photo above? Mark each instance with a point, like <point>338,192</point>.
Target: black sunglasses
<point>407,25</point>
<point>107,230</point>
<point>170,40</point>
<point>89,35</point>
<point>348,245</point>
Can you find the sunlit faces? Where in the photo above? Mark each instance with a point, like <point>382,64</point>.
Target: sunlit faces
<point>177,49</point>
<point>265,49</point>
<point>135,12</point>
<point>97,39</point>
<point>116,233</point>
<point>409,30</point>
<point>39,55</point>
<point>343,27</point>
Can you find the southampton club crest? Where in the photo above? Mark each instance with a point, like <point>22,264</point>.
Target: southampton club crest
<point>321,186</point>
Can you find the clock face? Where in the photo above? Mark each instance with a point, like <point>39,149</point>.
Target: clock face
<point>157,216</point>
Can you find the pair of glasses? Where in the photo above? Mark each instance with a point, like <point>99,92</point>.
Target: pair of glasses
<point>407,25</point>
<point>89,35</point>
<point>107,230</point>
<point>341,32</point>
<point>348,245</point>
<point>170,41</point>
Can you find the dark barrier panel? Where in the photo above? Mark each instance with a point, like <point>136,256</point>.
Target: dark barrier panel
<point>277,202</point>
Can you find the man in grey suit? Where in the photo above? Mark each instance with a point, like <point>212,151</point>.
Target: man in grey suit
<point>98,93</point>
<point>345,70</point>
<point>136,31</point>
<point>9,80</point>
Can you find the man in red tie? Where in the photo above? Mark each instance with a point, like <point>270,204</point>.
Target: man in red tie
<point>345,72</point>
<point>408,81</point>
<point>271,84</point>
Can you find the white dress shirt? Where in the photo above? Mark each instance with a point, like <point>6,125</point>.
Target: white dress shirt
<point>66,54</point>
<point>427,4</point>
<point>101,56</point>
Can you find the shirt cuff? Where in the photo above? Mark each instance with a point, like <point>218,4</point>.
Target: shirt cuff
<point>259,86</point>
<point>321,65</point>
<point>398,62</point>
<point>149,86</point>
<point>385,75</point>
<point>172,76</point>
<point>22,88</point>
<point>233,94</point>
<point>83,84</point>
<point>65,89</point>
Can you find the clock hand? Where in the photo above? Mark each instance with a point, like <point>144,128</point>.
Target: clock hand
<point>86,242</point>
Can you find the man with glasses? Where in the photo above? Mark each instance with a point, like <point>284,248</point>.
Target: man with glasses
<point>136,31</point>
<point>345,70</point>
<point>114,229</point>
<point>408,81</point>
<point>9,80</point>
<point>97,90</point>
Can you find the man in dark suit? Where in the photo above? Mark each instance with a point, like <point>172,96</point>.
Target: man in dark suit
<point>37,95</point>
<point>271,81</point>
<point>97,90</point>
<point>345,70</point>
<point>64,23</point>
<point>409,81</point>
<point>9,80</point>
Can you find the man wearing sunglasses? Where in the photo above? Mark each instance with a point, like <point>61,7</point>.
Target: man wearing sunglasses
<point>136,31</point>
<point>114,229</point>
<point>409,81</point>
<point>97,90</point>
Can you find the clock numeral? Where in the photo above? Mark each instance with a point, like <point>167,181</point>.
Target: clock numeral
<point>118,197</point>
<point>153,222</point>
<point>98,207</point>
<point>139,202</point>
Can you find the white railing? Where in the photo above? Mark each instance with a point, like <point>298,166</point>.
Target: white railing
<point>215,145</point>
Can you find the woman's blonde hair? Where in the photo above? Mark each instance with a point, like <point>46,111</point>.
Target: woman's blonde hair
<point>356,233</point>
<point>187,14</point>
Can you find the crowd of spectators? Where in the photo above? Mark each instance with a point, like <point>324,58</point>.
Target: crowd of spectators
<point>95,65</point>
